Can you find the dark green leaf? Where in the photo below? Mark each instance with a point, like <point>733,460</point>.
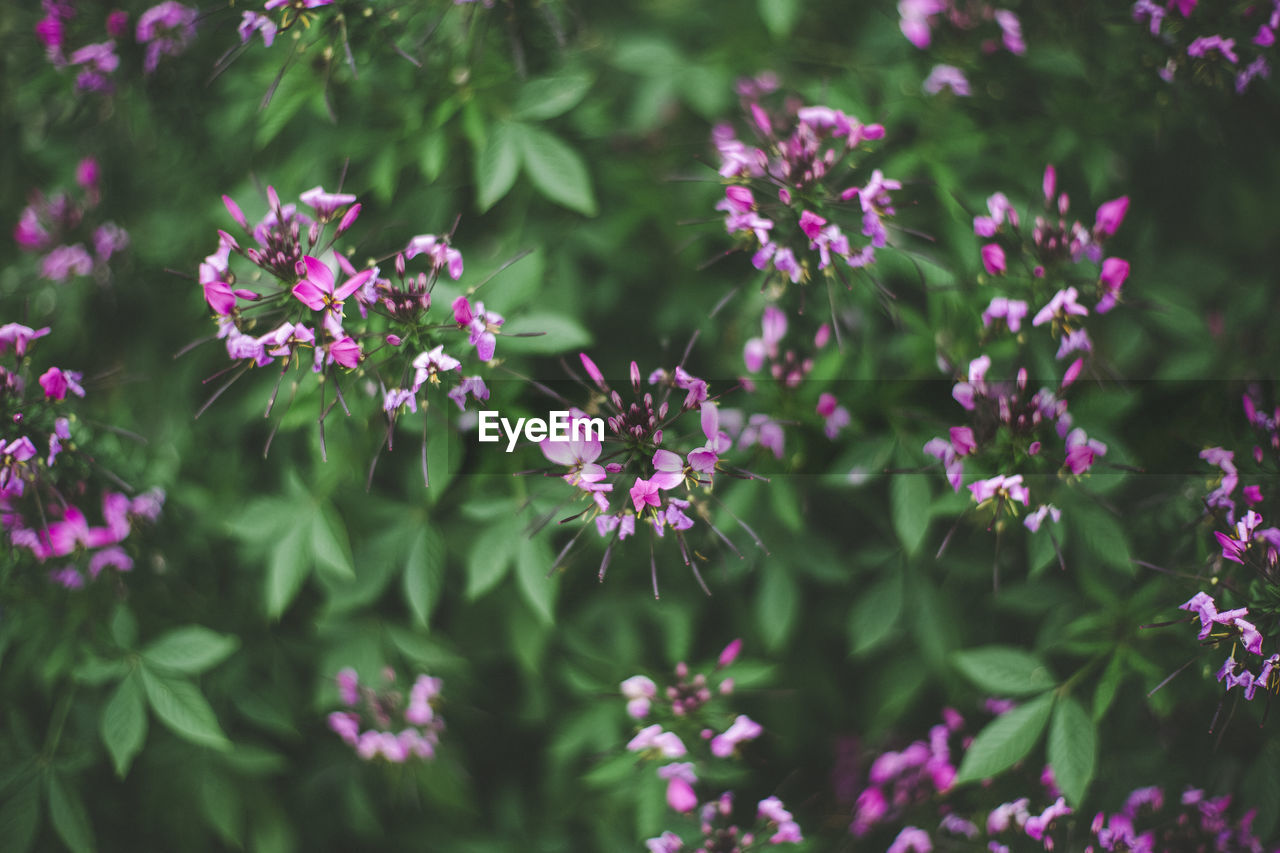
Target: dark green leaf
<point>777,604</point>
<point>424,574</point>
<point>68,816</point>
<point>330,545</point>
<point>286,570</point>
<point>20,817</point>
<point>1108,684</point>
<point>532,564</point>
<point>491,556</point>
<point>875,615</point>
<point>909,497</point>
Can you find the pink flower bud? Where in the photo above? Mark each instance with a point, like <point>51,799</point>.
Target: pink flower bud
<point>730,653</point>
<point>234,210</point>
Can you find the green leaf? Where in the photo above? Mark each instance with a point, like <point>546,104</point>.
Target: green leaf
<point>95,671</point>
<point>875,615</point>
<point>124,627</point>
<point>1005,670</point>
<point>1073,749</point>
<point>779,16</point>
<point>549,97</point>
<point>431,157</point>
<point>190,649</point>
<point>1108,684</point>
<point>1005,741</point>
<point>909,498</point>
<point>20,817</point>
<point>533,561</point>
<point>68,816</point>
<point>181,707</point>
<point>286,570</point>
<point>556,333</point>
<point>424,574</point>
<point>124,723</point>
<point>222,806</point>
<point>777,604</point>
<point>556,170</point>
<point>491,556</point>
<point>330,545</point>
<point>496,166</point>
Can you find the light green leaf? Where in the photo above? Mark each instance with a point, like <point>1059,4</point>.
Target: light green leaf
<point>549,97</point>
<point>1005,741</point>
<point>496,166</point>
<point>124,723</point>
<point>491,556</point>
<point>1005,670</point>
<point>330,545</point>
<point>909,498</point>
<point>181,707</point>
<point>875,615</point>
<point>424,574</point>
<point>779,16</point>
<point>532,564</point>
<point>1073,749</point>
<point>190,649</point>
<point>556,170</point>
<point>431,157</point>
<point>68,815</point>
<point>558,334</point>
<point>286,570</point>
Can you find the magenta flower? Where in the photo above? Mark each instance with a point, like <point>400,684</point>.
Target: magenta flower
<point>429,365</point>
<point>1036,518</point>
<point>1010,310</point>
<point>253,22</point>
<point>836,416</point>
<point>1082,451</point>
<point>1011,32</point>
<point>668,842</point>
<point>56,383</point>
<point>914,20</point>
<point>1061,307</point>
<point>911,840</point>
<point>1001,487</point>
<point>1110,215</point>
<point>680,779</point>
<point>484,327</point>
<point>645,493</point>
<point>668,744</point>
<point>993,259</point>
<point>472,385</point>
<point>166,29</point>
<point>1225,47</point>
<point>639,691</point>
<point>317,290</point>
<point>19,337</point>
<point>442,255</point>
<point>704,459</point>
<point>326,205</point>
<point>1114,273</point>
<point>774,327</point>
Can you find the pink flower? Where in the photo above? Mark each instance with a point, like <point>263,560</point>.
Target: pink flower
<point>946,77</point>
<point>579,454</point>
<point>1114,273</point>
<point>1082,451</point>
<point>1061,307</point>
<point>742,729</point>
<point>645,493</point>
<point>327,205</point>
<point>653,737</point>
<point>911,840</point>
<point>1110,215</point>
<point>993,259</point>
<point>317,290</point>
<point>56,383</point>
<point>1001,487</point>
<point>680,794</point>
<point>1010,310</point>
<point>443,256</point>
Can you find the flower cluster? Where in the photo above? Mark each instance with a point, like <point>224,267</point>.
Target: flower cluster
<point>642,480</point>
<point>165,29</point>
<point>301,287</point>
<point>689,706</point>
<point>57,228</point>
<point>1150,821</point>
<point>916,781</point>
<point>1011,427</point>
<point>44,478</point>
<point>789,194</point>
<point>369,726</point>
<point>1221,47</point>
<point>921,20</point>
<point>1050,254</point>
